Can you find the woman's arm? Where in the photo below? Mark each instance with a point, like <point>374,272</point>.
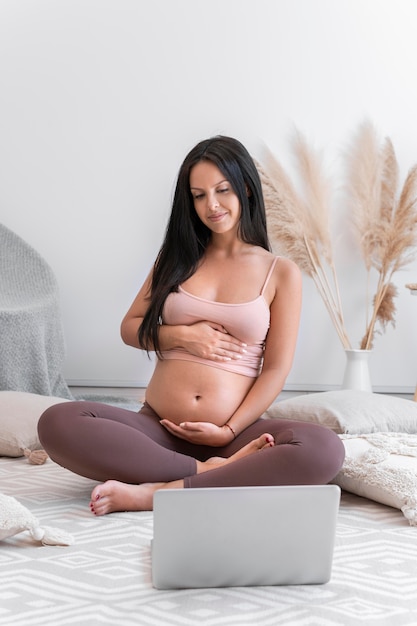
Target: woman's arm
<point>204,339</point>
<point>278,357</point>
<point>280,346</point>
<point>169,336</point>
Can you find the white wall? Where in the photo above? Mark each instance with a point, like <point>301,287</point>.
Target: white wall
<point>101,100</point>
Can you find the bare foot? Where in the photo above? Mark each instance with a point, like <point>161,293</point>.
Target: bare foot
<point>114,496</point>
<point>261,443</point>
<point>256,445</point>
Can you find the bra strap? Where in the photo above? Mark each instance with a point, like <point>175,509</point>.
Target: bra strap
<point>271,269</point>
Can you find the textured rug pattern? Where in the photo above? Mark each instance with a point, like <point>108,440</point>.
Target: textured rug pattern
<point>105,577</point>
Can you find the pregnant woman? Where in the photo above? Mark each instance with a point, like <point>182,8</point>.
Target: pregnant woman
<point>221,313</point>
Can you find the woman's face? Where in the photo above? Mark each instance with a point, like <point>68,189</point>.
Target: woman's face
<point>215,201</point>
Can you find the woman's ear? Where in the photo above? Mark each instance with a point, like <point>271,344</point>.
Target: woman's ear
<point>248,191</point>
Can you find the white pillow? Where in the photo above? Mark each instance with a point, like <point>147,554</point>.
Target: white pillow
<point>382,467</point>
<point>19,416</point>
<point>348,411</point>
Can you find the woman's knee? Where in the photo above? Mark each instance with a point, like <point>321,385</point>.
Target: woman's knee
<point>315,452</point>
<point>52,422</point>
<point>44,425</point>
<point>326,453</point>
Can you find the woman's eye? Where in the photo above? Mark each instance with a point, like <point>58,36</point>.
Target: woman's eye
<point>223,190</point>
<point>198,196</point>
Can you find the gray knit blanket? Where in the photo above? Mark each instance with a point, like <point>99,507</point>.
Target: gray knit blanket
<point>32,348</point>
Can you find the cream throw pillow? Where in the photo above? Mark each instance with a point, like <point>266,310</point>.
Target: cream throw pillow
<point>19,415</point>
<point>382,467</point>
<point>347,411</point>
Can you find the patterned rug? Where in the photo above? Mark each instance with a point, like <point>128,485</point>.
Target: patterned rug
<point>105,576</point>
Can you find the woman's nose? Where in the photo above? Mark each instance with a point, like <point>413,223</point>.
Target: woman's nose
<point>213,203</point>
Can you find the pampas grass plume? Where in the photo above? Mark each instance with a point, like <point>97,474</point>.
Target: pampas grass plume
<point>384,221</point>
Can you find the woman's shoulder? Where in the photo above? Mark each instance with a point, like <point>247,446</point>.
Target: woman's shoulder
<point>285,275</point>
<point>282,264</point>
<point>286,269</point>
<point>286,264</point>
<point>282,267</point>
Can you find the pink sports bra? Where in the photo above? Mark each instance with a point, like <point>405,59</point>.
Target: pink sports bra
<point>247,321</point>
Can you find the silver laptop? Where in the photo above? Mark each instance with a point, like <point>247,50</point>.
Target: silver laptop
<point>244,536</point>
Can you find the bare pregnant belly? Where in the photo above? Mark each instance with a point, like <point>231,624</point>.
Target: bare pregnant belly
<point>183,391</point>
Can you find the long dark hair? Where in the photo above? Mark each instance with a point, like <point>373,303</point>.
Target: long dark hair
<point>186,237</point>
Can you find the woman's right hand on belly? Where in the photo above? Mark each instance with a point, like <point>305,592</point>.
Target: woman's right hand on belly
<point>212,341</point>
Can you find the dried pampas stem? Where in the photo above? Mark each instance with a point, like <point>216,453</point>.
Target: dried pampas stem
<point>324,289</point>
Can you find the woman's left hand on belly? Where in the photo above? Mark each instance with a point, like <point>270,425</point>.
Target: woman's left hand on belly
<point>202,433</point>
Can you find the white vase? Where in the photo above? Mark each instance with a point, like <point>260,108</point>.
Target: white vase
<point>357,370</point>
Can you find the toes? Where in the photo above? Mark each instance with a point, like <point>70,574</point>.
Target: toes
<point>97,504</point>
<point>96,493</point>
<point>266,441</point>
<point>99,508</point>
<point>93,506</point>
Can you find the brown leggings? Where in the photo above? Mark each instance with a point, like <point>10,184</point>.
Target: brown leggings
<point>101,442</point>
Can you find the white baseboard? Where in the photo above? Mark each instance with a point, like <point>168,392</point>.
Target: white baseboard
<point>141,384</point>
<point>392,389</point>
<point>94,382</point>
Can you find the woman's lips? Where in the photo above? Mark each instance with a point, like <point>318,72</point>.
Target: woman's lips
<point>217,217</point>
